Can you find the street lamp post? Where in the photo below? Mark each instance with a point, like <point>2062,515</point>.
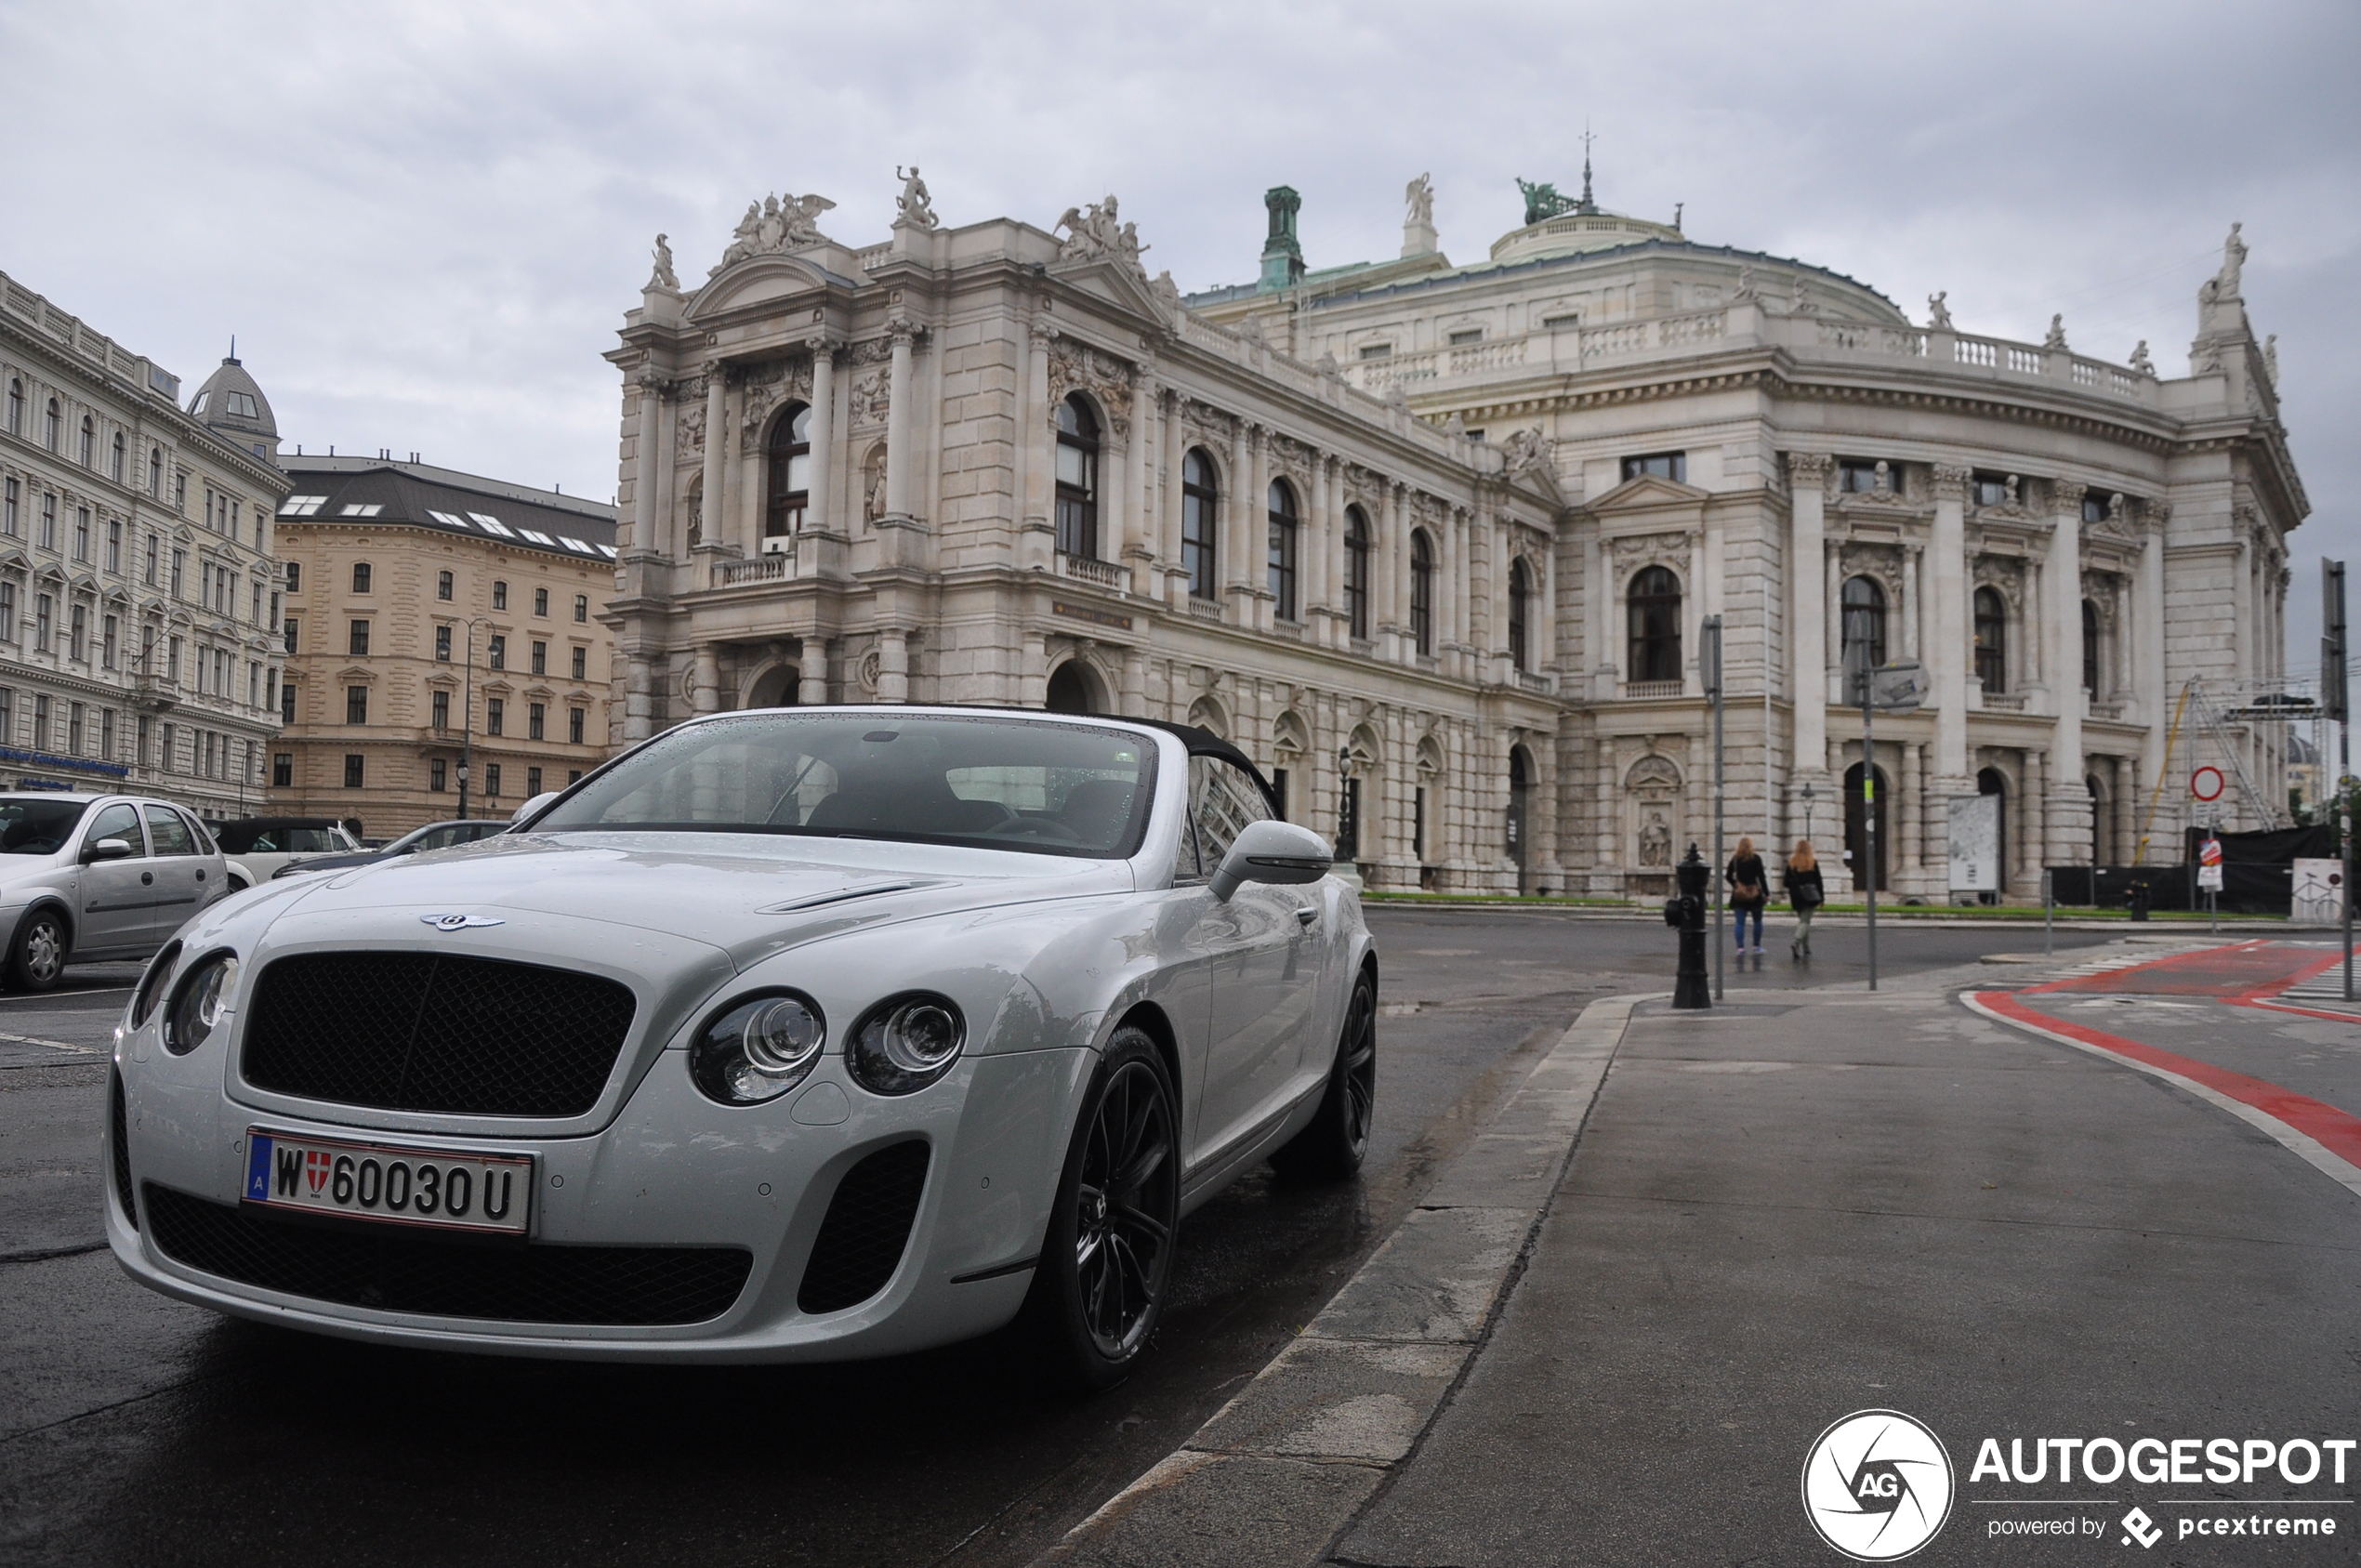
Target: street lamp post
<point>466,713</point>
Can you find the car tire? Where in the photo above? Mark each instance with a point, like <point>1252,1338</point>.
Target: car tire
<point>237,883</point>
<point>1106,1270</point>
<point>1332,1147</point>
<point>37,955</point>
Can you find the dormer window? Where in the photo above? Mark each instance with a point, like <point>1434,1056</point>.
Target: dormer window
<point>1377,350</point>
<point>240,405</point>
<point>1466,336</point>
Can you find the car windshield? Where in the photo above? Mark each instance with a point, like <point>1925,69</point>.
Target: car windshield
<point>38,827</point>
<point>985,780</point>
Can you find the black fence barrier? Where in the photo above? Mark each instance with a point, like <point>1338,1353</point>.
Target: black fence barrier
<point>2258,874</point>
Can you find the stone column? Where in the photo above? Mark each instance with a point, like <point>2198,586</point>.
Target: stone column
<point>1036,534</point>
<point>2068,809</point>
<point>705,693</point>
<point>1692,615</point>
<point>647,464</point>
<point>898,454</point>
<point>713,516</point>
<point>1115,516</point>
<point>1394,532</point>
<point>819,552</point>
<point>1238,506</point>
<point>1913,598</point>
<point>2151,675</point>
<point>1913,805</point>
<point>1808,633</point>
<point>1598,620</point>
<point>1311,557</point>
<point>1945,573</point>
<point>812,672</point>
<point>893,665</point>
<point>1175,456</point>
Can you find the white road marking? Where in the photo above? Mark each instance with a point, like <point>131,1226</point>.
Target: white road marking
<point>53,1044</point>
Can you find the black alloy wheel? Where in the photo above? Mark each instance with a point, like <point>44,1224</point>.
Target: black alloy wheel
<point>37,958</point>
<point>1332,1147</point>
<point>1099,1288</point>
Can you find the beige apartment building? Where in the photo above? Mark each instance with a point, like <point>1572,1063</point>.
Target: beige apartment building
<point>444,655</point>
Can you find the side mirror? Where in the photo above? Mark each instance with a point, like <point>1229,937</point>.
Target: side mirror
<point>533,804</point>
<point>109,850</point>
<point>1271,852</point>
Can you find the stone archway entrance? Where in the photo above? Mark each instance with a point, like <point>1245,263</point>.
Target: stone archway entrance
<point>1074,688</point>
<point>777,688</point>
<point>1519,793</point>
<point>1856,818</point>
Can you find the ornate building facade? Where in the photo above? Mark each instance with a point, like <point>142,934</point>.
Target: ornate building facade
<point>138,584</point>
<point>1435,543</point>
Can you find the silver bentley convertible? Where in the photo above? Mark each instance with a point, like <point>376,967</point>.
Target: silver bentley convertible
<point>794,1034</point>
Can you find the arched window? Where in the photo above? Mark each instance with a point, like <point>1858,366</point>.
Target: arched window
<point>89,442</point>
<point>1072,689</point>
<point>1991,641</point>
<point>1283,551</point>
<point>1197,496</point>
<point>15,406</point>
<point>1356,571</point>
<point>2089,648</point>
<point>1520,592</point>
<point>118,457</point>
<point>1864,635</point>
<point>788,493</point>
<point>1422,592</point>
<point>53,426</point>
<point>1652,604</point>
<point>155,472</point>
<point>1077,479</point>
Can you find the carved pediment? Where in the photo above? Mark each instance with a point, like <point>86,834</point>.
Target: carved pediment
<point>1075,366</point>
<point>763,279</point>
<point>1648,491</point>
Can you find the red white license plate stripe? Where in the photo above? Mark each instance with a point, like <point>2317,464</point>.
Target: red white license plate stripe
<point>490,1194</point>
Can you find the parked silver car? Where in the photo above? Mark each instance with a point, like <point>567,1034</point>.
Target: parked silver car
<point>89,876</point>
<point>259,848</point>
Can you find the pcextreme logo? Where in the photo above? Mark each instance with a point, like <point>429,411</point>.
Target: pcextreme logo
<point>1877,1485</point>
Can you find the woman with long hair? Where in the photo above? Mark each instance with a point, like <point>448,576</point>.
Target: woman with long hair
<point>1805,894</point>
<point>1750,890</point>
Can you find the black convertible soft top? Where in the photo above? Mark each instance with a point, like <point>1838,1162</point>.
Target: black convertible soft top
<point>1202,741</point>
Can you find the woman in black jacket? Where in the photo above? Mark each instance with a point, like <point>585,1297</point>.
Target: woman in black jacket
<point>1750,890</point>
<point>1805,893</point>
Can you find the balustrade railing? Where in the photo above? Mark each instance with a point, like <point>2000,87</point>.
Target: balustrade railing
<point>1086,568</point>
<point>1639,689</point>
<point>756,569</point>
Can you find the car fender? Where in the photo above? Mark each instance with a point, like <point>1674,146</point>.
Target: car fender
<point>46,899</point>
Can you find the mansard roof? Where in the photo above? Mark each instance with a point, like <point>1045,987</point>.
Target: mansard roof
<point>373,492</point>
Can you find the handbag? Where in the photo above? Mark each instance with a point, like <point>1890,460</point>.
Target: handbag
<point>1808,895</point>
<point>1747,893</point>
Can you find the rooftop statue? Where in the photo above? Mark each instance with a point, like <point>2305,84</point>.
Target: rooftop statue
<point>1938,312</point>
<point>915,204</point>
<point>1418,196</point>
<point>664,276</point>
<point>1095,232</point>
<point>772,225</point>
<point>1543,200</point>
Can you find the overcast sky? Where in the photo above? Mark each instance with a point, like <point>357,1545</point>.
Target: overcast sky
<point>423,222</point>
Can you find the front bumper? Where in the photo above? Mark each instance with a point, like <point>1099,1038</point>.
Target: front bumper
<point>672,1170</point>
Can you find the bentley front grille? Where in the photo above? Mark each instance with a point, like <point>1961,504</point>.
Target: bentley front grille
<point>435,1032</point>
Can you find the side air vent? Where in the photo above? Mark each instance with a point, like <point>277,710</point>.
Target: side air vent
<point>862,1240</point>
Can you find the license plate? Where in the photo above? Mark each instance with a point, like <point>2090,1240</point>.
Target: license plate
<point>488,1194</point>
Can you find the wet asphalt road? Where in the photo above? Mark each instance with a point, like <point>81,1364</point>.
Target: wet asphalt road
<point>133,1429</point>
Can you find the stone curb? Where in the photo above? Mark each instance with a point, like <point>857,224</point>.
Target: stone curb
<point>1277,1471</point>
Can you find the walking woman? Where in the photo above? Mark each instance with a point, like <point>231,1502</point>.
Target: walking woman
<point>1748,891</point>
<point>1805,894</point>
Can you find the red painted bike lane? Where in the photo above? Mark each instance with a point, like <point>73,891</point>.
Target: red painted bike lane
<point>2203,1021</point>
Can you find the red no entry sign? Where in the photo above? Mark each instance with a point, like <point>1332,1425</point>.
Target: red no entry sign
<point>2206,783</point>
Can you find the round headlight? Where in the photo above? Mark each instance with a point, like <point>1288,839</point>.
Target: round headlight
<point>906,1043</point>
<point>143,1001</point>
<point>759,1048</point>
<point>203,1002</point>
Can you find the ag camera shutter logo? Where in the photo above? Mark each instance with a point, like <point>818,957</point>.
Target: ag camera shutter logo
<point>1877,1485</point>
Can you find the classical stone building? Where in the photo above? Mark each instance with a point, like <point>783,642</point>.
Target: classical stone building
<point>138,582</point>
<point>434,617</point>
<point>1440,539</point>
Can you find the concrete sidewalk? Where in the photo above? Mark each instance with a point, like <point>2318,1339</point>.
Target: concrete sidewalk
<point>1777,1213</point>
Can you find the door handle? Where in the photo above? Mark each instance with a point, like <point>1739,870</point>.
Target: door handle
<point>146,877</point>
<point>200,874</point>
<point>1305,915</point>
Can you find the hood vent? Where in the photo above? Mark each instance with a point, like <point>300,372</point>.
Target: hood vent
<point>842,895</point>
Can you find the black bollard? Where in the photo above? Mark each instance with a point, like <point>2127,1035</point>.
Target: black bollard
<point>2140,899</point>
<point>1687,913</point>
